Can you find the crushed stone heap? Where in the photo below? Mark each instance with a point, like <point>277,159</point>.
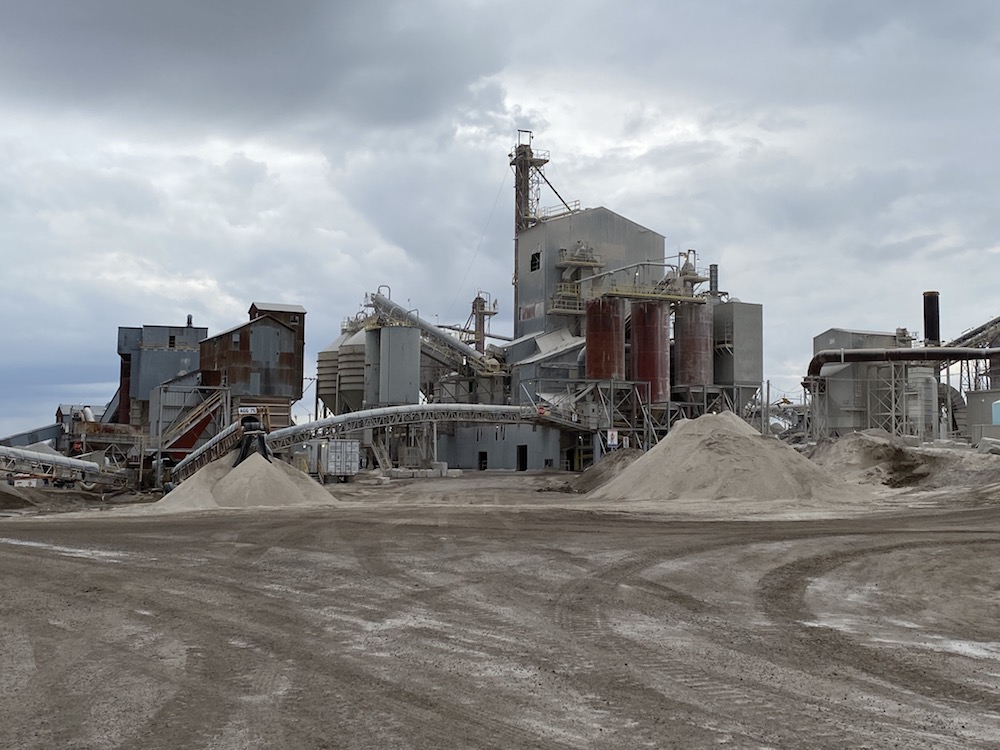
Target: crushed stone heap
<point>719,456</point>
<point>255,483</point>
<point>611,465</point>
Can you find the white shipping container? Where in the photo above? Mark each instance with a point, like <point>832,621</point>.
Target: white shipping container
<point>343,457</point>
<point>328,459</point>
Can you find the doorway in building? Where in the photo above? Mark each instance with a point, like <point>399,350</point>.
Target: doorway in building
<point>522,458</point>
<point>482,460</point>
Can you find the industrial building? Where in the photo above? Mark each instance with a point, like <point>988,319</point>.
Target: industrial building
<point>612,341</point>
<point>590,365</point>
<point>591,360</point>
<point>860,380</point>
<point>179,388</point>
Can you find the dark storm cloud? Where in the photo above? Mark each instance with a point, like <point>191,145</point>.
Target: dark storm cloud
<point>247,66</point>
<point>157,159</point>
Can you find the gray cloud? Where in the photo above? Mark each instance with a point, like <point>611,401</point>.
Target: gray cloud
<point>836,158</point>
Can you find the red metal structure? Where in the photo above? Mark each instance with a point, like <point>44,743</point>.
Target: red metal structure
<point>651,347</point>
<point>693,336</point>
<point>605,358</point>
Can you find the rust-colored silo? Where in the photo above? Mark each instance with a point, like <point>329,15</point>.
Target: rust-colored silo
<point>693,335</point>
<point>651,348</point>
<point>605,323</point>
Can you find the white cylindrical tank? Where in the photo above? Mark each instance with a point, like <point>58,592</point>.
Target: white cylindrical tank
<point>326,372</point>
<point>351,373</point>
<point>922,399</point>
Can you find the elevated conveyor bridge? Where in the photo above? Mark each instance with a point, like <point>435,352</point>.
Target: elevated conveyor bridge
<point>57,468</point>
<point>391,416</point>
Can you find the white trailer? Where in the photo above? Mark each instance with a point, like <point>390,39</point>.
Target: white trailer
<point>333,459</point>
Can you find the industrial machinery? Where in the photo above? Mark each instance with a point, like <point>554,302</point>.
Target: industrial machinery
<point>860,380</point>
<point>591,361</point>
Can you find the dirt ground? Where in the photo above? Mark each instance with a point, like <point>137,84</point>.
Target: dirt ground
<point>483,613</point>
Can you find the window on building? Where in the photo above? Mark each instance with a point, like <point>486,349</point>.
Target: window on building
<point>536,261</point>
<point>295,320</point>
<point>172,342</point>
<point>236,339</point>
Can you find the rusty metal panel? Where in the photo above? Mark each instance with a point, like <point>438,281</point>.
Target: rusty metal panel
<point>693,334</point>
<point>605,357</point>
<point>651,348</point>
<point>259,358</point>
<point>275,413</point>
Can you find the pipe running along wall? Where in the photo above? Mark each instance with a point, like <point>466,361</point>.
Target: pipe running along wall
<point>925,354</point>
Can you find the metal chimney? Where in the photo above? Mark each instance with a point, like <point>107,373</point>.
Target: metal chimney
<point>932,319</point>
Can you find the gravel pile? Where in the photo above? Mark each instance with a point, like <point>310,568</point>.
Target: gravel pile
<point>719,456</point>
<point>255,483</point>
<point>611,465</point>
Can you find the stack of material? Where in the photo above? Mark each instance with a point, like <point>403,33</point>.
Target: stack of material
<point>719,456</point>
<point>611,465</point>
<point>255,483</point>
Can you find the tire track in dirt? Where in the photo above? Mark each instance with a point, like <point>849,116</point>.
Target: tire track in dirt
<point>756,709</point>
<point>782,593</point>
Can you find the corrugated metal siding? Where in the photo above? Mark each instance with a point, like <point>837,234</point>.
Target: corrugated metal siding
<point>619,242</point>
<point>739,339</point>
<point>257,359</point>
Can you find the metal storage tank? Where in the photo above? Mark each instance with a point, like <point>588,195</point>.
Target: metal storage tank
<point>922,401</point>
<point>373,356</point>
<point>351,373</point>
<point>605,358</point>
<point>651,348</point>
<point>326,372</point>
<point>693,330</point>
<point>399,365</point>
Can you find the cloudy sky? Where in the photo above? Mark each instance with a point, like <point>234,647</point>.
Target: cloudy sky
<point>837,158</point>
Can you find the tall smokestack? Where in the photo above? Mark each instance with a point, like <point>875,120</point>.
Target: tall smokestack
<point>932,319</point>
<point>713,279</point>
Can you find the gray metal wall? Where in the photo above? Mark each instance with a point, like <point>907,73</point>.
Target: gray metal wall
<point>499,442</point>
<point>619,242</point>
<point>849,396</point>
<point>739,343</point>
<point>154,360</point>
<point>841,338</point>
<point>399,373</point>
<point>980,406</point>
<point>154,366</point>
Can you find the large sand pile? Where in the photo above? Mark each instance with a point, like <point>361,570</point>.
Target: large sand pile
<point>611,465</point>
<point>719,456</point>
<point>875,457</point>
<point>254,483</point>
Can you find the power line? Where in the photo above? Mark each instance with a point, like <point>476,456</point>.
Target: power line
<point>458,289</point>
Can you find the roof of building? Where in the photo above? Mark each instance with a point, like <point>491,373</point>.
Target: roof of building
<point>552,344</point>
<point>255,321</point>
<point>570,215</point>
<point>277,307</point>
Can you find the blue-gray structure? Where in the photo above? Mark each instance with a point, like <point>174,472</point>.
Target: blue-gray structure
<point>151,355</point>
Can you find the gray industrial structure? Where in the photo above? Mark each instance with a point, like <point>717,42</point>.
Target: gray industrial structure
<point>591,365</point>
<point>179,389</point>
<point>860,380</point>
<point>591,358</point>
